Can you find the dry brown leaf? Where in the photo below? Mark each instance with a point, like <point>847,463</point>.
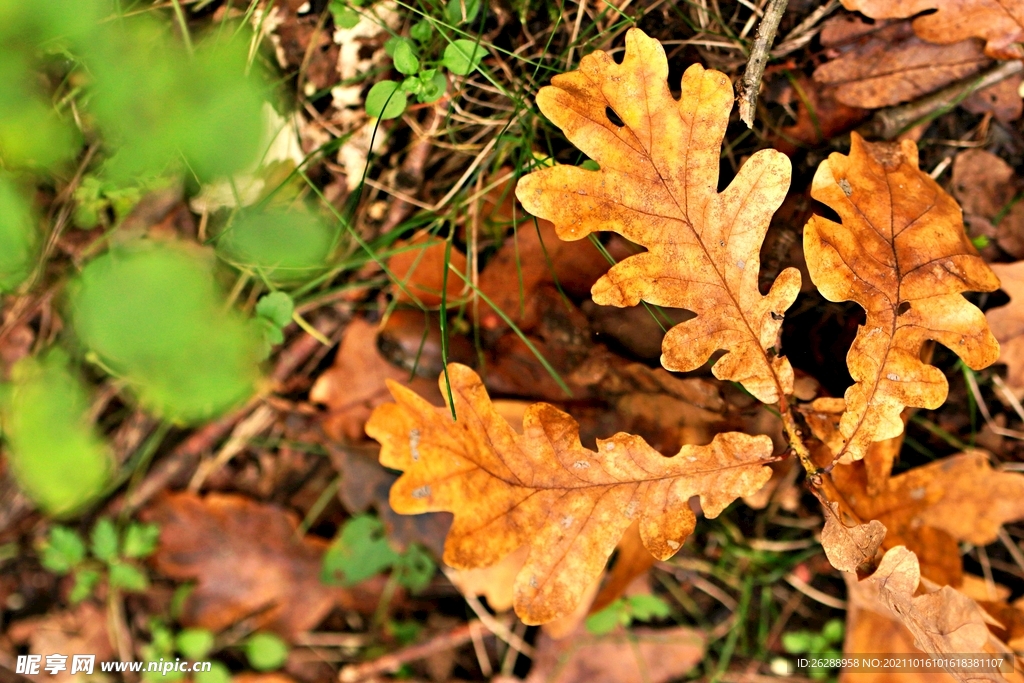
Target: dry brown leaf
<point>530,257</point>
<point>419,265</point>
<point>570,505</point>
<point>985,185</point>
<point>657,187</point>
<point>929,508</point>
<point>872,630</point>
<point>888,64</point>
<point>365,484</point>
<point>1007,323</point>
<point>901,253</point>
<point>941,622</point>
<point>248,564</point>
<point>80,630</point>
<point>999,22</point>
<point>354,385</point>
<point>1003,100</point>
<point>848,546</point>
<point>641,656</point>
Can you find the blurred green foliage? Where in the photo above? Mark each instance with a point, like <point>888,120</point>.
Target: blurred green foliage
<point>265,651</point>
<point>19,237</point>
<point>153,314</point>
<point>156,102</point>
<point>44,413</point>
<point>284,247</point>
<point>624,611</point>
<point>361,550</point>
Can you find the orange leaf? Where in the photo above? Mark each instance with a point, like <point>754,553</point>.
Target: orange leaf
<point>901,252</point>
<point>999,22</point>
<point>931,507</point>
<point>568,504</point>
<point>657,187</point>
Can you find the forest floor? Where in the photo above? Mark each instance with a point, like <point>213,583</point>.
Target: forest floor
<point>279,556</point>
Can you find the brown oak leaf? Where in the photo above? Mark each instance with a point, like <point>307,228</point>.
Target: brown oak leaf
<point>986,186</point>
<point>999,22</point>
<point>942,622</point>
<point>543,489</point>
<point>657,186</point>
<point>929,508</point>
<point>848,546</point>
<point>902,254</point>
<point>888,64</point>
<point>248,564</point>
<point>1007,323</point>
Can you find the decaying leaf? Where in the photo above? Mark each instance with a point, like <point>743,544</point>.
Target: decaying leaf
<point>1007,323</point>
<point>83,629</point>
<point>658,187</point>
<point>849,546</point>
<point>942,622</point>
<point>929,508</point>
<point>248,564</point>
<point>354,385</point>
<point>872,630</point>
<point>542,489</point>
<point>642,656</point>
<point>888,64</point>
<point>986,186</point>
<point>901,252</point>
<point>999,22</point>
<point>419,264</point>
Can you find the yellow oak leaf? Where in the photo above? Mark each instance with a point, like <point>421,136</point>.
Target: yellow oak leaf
<point>543,489</point>
<point>902,254</point>
<point>657,186</point>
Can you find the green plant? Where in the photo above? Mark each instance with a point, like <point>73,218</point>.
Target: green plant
<point>361,550</point>
<point>624,611</point>
<point>824,645</point>
<point>113,555</point>
<point>265,651</point>
<point>195,644</point>
<point>432,48</point>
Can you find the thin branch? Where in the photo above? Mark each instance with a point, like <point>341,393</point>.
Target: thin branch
<point>888,123</point>
<point>758,59</point>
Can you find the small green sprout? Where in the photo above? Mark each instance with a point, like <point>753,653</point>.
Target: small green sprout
<point>112,554</point>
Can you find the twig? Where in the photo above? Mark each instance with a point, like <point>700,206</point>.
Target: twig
<point>888,123</point>
<point>758,59</point>
<point>393,661</point>
<point>813,593</point>
<point>805,30</point>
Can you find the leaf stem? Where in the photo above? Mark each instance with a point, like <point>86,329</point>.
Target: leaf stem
<point>796,441</point>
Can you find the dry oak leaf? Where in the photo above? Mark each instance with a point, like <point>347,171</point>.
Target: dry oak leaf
<point>929,508</point>
<point>1007,324</point>
<point>999,22</point>
<point>543,489</point>
<point>902,254</point>
<point>887,65</point>
<point>248,564</point>
<point>658,188</point>
<point>849,546</point>
<point>942,622</point>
